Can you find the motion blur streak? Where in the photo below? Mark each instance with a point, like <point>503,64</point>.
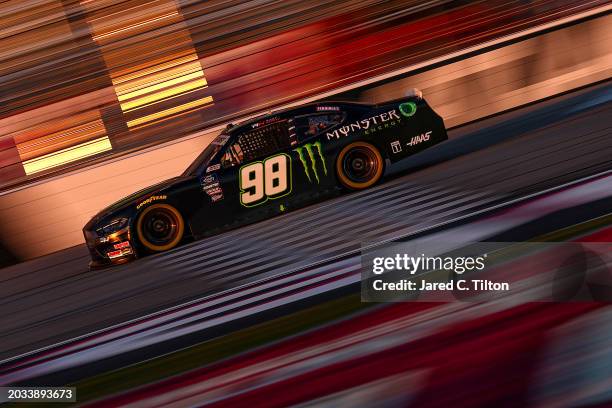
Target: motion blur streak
<point>280,290</point>
<point>269,314</point>
<point>150,86</point>
<point>526,162</point>
<point>511,76</point>
<point>454,354</point>
<point>429,341</point>
<point>158,70</point>
<point>463,91</point>
<point>67,155</point>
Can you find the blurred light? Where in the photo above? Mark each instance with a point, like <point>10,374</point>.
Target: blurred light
<point>115,32</point>
<point>67,155</point>
<point>165,94</point>
<point>54,136</point>
<point>170,82</point>
<point>143,77</point>
<point>171,111</point>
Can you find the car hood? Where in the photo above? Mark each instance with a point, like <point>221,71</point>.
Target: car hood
<point>134,198</point>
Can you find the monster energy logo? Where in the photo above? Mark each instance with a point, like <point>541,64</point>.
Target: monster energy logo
<point>309,149</point>
<point>408,109</point>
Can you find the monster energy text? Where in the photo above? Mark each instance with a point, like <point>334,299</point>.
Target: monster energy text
<point>308,148</point>
<point>363,124</point>
<point>407,109</point>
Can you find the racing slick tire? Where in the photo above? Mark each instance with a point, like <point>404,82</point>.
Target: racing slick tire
<point>359,165</point>
<point>160,227</point>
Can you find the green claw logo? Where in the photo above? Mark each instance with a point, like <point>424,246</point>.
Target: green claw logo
<point>407,109</point>
<point>309,149</point>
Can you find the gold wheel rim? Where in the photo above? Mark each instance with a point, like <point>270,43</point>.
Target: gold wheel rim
<point>165,210</point>
<point>375,175</point>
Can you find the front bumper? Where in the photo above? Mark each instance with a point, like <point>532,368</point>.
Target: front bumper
<point>114,249</point>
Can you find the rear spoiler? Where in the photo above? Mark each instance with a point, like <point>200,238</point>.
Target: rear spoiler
<point>414,93</point>
<point>411,93</point>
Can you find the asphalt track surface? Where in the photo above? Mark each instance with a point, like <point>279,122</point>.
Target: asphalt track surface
<point>54,298</point>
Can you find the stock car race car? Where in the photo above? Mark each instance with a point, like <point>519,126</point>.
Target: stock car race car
<point>263,167</point>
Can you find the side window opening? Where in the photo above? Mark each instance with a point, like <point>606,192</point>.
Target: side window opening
<point>311,125</point>
<point>257,143</point>
<point>233,156</point>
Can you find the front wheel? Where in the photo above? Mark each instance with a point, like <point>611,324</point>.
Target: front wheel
<point>359,165</point>
<point>160,227</point>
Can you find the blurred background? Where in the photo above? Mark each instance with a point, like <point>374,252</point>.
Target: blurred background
<point>100,98</point>
<point>144,85</point>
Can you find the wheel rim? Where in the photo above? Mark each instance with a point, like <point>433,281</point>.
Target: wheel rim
<point>360,164</point>
<point>160,227</point>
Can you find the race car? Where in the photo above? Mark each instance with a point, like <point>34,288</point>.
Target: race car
<point>264,167</point>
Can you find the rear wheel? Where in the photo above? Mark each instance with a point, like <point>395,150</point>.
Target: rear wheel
<point>359,165</point>
<point>160,227</point>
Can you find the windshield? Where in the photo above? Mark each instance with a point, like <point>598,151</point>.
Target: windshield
<point>207,155</point>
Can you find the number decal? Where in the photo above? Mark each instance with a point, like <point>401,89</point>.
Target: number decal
<point>268,179</point>
<point>252,184</point>
<point>275,169</point>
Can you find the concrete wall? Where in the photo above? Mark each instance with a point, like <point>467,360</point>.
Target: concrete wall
<point>513,75</point>
<point>49,216</point>
<point>46,217</point>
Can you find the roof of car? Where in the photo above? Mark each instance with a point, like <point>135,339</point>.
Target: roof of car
<point>313,105</point>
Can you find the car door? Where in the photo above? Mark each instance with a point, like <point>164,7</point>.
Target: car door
<point>269,167</point>
<point>253,173</point>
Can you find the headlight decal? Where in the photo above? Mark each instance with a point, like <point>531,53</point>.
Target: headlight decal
<point>113,226</point>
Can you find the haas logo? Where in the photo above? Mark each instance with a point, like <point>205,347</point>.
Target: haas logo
<point>424,137</point>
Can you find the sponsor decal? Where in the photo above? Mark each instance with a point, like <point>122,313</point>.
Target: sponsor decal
<point>266,122</point>
<point>328,108</point>
<point>119,252</point>
<point>114,254</point>
<point>215,192</point>
<point>210,178</point>
<point>423,137</point>
<point>371,124</point>
<point>121,245</point>
<point>396,146</point>
<point>214,167</point>
<point>308,150</point>
<point>150,200</point>
<point>407,109</point>
<point>212,187</point>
